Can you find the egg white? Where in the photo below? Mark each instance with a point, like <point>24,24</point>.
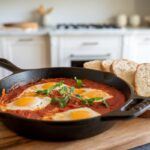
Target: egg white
<point>64,116</point>
<point>32,90</point>
<point>87,93</point>
<point>36,104</point>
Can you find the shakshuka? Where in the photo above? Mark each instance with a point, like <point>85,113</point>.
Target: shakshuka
<point>61,99</point>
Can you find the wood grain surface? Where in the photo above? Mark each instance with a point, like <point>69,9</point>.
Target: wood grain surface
<point>123,135</point>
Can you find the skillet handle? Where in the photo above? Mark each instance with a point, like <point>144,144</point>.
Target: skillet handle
<point>9,65</point>
<point>133,108</point>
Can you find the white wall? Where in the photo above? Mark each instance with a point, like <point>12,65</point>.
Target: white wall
<point>70,10</point>
<point>142,7</point>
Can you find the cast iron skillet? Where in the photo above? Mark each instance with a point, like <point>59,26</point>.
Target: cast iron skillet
<point>69,130</point>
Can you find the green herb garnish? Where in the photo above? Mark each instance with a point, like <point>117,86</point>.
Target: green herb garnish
<point>63,90</point>
<point>47,91</point>
<point>79,82</point>
<point>78,96</point>
<point>71,90</point>
<point>66,92</point>
<point>92,100</point>
<point>104,102</point>
<point>62,102</point>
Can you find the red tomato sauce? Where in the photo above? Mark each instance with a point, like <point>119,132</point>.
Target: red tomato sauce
<point>114,103</point>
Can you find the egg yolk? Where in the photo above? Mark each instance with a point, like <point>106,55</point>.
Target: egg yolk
<point>91,94</point>
<point>81,114</point>
<point>48,85</point>
<point>79,91</point>
<point>94,93</point>
<point>24,101</point>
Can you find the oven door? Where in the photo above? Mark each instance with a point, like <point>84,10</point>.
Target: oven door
<point>79,60</point>
<point>75,50</point>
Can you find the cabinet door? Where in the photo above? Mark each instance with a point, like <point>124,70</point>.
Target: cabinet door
<point>138,48</point>
<point>27,51</point>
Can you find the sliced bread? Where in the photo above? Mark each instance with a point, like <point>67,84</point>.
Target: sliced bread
<point>142,80</point>
<point>106,65</point>
<point>95,64</point>
<point>125,69</point>
<point>142,83</point>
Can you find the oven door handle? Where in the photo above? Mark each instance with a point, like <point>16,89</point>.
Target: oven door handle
<point>90,44</point>
<point>90,57</point>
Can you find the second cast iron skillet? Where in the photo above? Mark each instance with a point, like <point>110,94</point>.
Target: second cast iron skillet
<point>69,130</point>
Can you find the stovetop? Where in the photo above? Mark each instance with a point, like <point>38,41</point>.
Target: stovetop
<point>85,26</point>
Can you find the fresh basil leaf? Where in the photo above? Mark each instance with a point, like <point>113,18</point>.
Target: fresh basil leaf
<point>84,102</point>
<point>78,96</point>
<point>89,101</point>
<point>63,90</point>
<point>92,100</point>
<point>66,90</point>
<point>98,98</point>
<point>41,91</point>
<point>71,90</point>
<point>62,102</point>
<point>79,82</point>
<point>55,100</point>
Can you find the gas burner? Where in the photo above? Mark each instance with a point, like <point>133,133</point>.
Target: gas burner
<point>85,26</point>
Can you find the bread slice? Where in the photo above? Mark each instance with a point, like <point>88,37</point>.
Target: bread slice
<point>142,83</point>
<point>95,64</point>
<point>106,65</point>
<point>125,69</point>
<point>142,80</point>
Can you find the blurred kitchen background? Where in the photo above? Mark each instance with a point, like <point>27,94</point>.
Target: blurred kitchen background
<point>53,33</point>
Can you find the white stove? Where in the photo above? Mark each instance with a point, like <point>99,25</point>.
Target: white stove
<point>80,43</point>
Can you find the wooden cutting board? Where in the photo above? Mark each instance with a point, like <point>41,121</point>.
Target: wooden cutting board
<point>123,135</point>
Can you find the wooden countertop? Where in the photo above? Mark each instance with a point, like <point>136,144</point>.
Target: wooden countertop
<point>123,135</point>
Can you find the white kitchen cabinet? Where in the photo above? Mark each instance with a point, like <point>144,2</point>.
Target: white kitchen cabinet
<point>78,49</point>
<point>137,47</point>
<point>54,50</point>
<point>26,51</point>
